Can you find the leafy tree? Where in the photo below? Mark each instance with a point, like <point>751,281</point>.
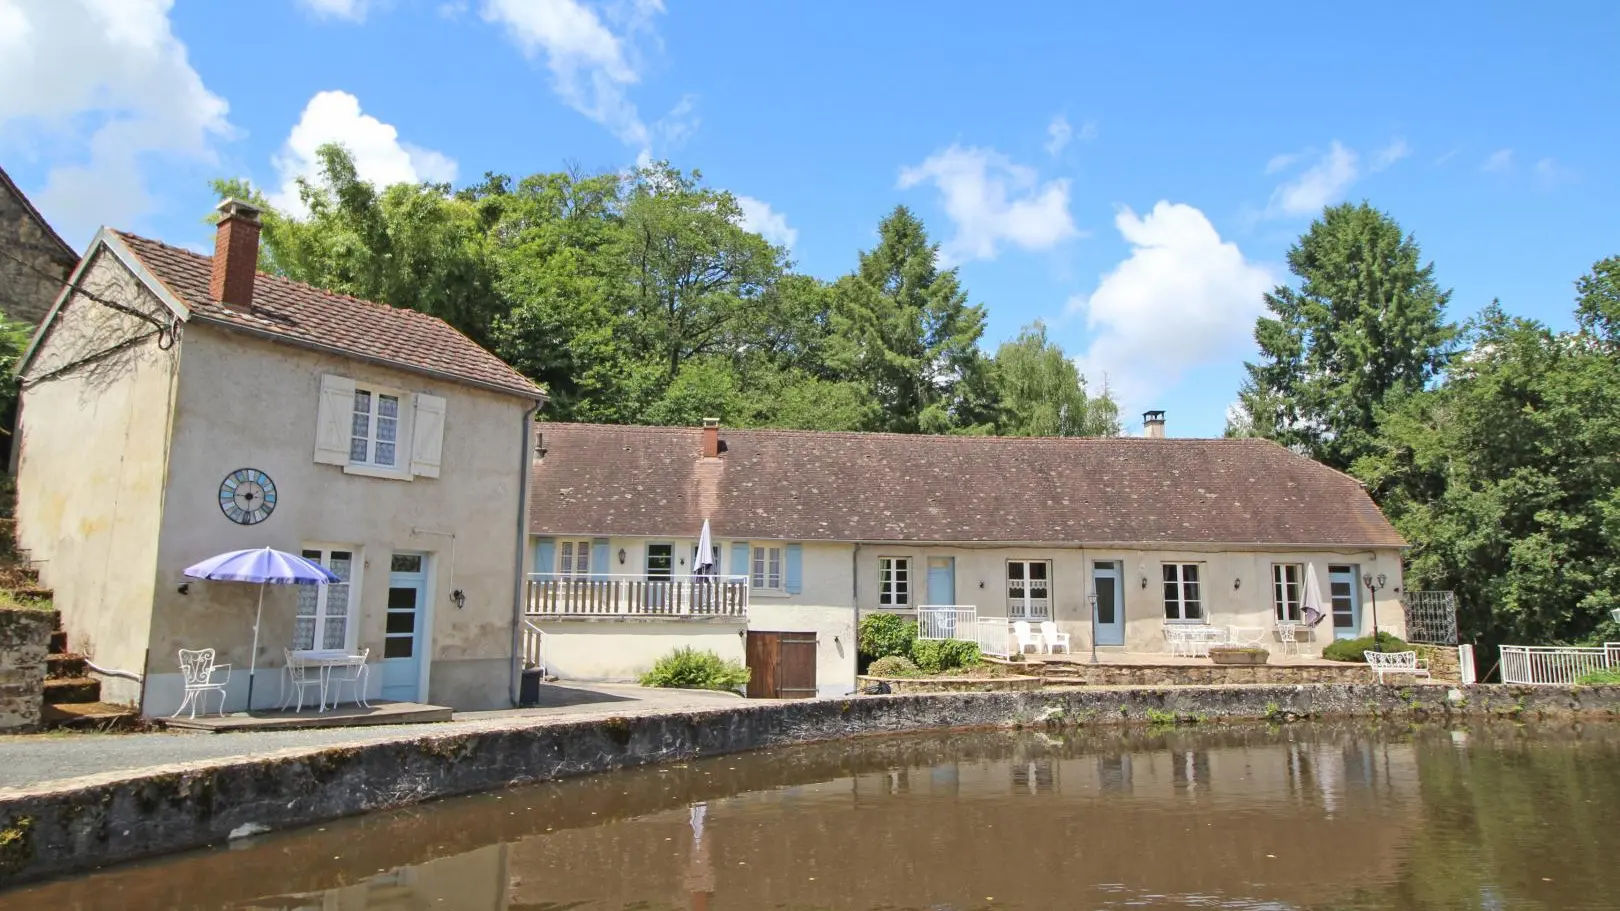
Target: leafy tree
<point>1505,478</point>
<point>1364,328</point>
<point>904,330</point>
<point>1043,394</point>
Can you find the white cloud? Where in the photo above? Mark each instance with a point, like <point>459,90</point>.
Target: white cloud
<point>352,10</point>
<point>757,216</point>
<point>1058,135</point>
<point>379,155</point>
<point>1444,159</point>
<point>1281,162</point>
<point>1550,173</point>
<point>992,200</point>
<point>1182,299</point>
<point>1322,184</point>
<point>1498,161</point>
<point>1389,154</point>
<point>111,84</point>
<point>591,67</point>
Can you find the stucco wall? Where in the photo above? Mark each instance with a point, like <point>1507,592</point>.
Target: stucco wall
<point>243,402</point>
<point>91,470</point>
<point>981,576</point>
<point>622,649</point>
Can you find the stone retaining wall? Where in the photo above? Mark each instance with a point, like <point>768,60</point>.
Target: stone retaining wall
<point>1203,674</point>
<point>1444,662</point>
<point>61,827</point>
<point>25,640</point>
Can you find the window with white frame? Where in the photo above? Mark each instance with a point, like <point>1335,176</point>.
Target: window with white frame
<point>1183,599</point>
<point>374,434</point>
<point>894,581</point>
<point>1286,589</point>
<point>765,570</point>
<point>1029,589</point>
<point>573,558</point>
<point>323,610</point>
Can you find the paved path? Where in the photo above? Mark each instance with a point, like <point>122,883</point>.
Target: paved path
<point>34,759</point>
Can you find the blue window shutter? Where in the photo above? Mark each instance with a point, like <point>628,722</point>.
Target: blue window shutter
<point>545,555</point>
<point>599,558</point>
<point>794,574</point>
<point>739,558</point>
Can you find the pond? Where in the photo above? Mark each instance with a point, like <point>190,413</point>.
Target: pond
<point>1307,816</point>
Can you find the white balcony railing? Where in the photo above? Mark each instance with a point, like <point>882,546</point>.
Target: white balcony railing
<point>994,635</point>
<point>1551,665</point>
<point>556,595</point>
<point>946,621</point>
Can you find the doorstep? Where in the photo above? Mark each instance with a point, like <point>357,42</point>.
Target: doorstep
<point>342,717</point>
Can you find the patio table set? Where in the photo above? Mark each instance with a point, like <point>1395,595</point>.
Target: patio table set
<point>1193,640</point>
<point>324,670</point>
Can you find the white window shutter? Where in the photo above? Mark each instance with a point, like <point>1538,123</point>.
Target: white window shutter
<point>334,420</point>
<point>427,436</point>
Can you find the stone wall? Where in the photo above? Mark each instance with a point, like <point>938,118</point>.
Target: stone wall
<point>65,826</point>
<point>28,288</point>
<point>1202,674</point>
<point>1444,663</point>
<point>25,640</point>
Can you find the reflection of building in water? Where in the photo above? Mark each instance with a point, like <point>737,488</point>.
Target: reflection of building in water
<point>475,881</point>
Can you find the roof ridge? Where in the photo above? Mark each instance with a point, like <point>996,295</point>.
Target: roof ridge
<point>891,434</point>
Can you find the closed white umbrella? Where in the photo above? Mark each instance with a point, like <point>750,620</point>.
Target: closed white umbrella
<point>1312,597</point>
<point>703,565</point>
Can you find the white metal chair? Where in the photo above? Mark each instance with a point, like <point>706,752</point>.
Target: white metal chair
<point>302,675</point>
<point>352,672</point>
<point>197,670</point>
<point>1288,635</point>
<point>1053,639</point>
<point>1026,639</point>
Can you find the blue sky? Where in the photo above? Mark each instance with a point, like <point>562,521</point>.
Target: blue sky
<point>1130,173</point>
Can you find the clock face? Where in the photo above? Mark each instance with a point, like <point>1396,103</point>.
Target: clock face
<point>247,496</point>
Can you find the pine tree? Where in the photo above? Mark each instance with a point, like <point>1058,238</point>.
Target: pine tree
<point>1364,329</point>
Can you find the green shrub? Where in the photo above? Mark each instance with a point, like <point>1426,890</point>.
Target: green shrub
<point>882,635</point>
<point>893,666</point>
<point>936,655</point>
<point>1352,649</point>
<point>1606,677</point>
<point>688,668</point>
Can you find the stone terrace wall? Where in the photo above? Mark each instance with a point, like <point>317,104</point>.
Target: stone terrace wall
<point>25,640</point>
<point>65,826</point>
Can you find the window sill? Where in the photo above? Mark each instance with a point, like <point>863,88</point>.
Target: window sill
<point>1186,622</point>
<point>368,471</point>
<point>768,593</point>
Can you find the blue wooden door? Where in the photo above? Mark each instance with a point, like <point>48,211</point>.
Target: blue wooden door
<point>942,580</point>
<point>405,635</point>
<point>1105,579</point>
<point>1346,599</point>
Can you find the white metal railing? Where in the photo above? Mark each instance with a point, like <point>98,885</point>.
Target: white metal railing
<point>557,595</point>
<point>533,646</point>
<point>946,621</point>
<point>994,635</point>
<point>1547,665</point>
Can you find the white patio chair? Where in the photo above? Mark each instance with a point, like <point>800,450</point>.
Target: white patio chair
<point>303,675</point>
<point>1288,635</point>
<point>352,672</point>
<point>1026,639</point>
<point>1053,639</point>
<point>197,670</point>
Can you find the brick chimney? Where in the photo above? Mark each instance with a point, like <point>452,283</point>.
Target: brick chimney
<point>236,253</point>
<point>711,438</point>
<point>1153,424</point>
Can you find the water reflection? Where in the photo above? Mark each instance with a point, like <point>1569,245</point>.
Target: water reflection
<point>1298,817</point>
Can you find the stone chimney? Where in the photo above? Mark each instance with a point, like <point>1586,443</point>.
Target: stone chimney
<point>711,438</point>
<point>236,254</point>
<point>1153,424</point>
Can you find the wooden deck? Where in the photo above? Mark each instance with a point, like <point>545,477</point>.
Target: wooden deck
<point>341,717</point>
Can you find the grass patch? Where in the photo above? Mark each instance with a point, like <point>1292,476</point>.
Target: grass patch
<point>1605,677</point>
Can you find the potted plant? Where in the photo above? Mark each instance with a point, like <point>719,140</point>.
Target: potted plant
<point>1238,654</point>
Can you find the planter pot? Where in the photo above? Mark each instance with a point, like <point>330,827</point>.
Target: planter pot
<point>1238,655</point>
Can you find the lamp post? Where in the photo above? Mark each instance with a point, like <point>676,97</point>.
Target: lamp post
<point>1093,599</point>
<point>1373,585</point>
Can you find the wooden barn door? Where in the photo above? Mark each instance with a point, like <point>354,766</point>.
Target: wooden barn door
<point>782,665</point>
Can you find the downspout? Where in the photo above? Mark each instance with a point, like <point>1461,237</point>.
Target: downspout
<point>522,548</point>
<point>855,602</point>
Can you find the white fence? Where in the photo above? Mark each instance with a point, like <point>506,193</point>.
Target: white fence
<point>994,635</point>
<point>946,621</point>
<point>552,595</point>
<point>1549,665</point>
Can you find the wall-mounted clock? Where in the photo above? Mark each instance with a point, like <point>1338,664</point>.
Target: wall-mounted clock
<point>247,496</point>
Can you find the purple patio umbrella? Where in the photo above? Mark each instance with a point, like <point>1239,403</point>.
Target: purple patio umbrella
<point>265,566</point>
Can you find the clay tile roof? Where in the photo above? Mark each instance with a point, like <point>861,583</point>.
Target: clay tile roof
<point>804,485</point>
<point>306,315</point>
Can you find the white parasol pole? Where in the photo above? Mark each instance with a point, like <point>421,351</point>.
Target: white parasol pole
<point>253,656</point>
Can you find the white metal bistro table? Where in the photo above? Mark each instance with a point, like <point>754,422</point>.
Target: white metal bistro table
<point>324,660</point>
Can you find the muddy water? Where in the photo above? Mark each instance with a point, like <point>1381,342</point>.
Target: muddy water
<point>1294,817</point>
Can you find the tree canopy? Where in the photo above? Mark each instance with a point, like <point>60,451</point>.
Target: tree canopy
<point>643,298</point>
